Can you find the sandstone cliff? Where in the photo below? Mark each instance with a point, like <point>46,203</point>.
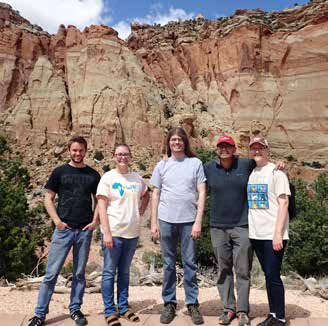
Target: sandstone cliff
<point>253,71</point>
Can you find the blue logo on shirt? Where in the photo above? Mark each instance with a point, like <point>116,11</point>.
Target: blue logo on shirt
<point>120,188</point>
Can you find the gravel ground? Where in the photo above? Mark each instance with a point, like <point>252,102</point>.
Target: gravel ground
<point>148,300</point>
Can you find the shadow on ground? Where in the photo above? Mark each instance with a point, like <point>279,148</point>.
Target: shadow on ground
<point>57,319</point>
<point>215,308</point>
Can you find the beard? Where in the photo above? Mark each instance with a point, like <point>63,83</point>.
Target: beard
<point>77,160</point>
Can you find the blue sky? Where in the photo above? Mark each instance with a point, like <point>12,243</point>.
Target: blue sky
<point>120,13</point>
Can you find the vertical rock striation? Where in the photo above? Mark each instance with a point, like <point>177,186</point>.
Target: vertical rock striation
<point>251,72</point>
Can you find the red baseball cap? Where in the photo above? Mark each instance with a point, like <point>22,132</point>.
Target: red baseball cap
<point>226,139</point>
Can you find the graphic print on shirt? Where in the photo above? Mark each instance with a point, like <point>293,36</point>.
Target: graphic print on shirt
<point>125,188</point>
<point>257,195</point>
<point>118,186</point>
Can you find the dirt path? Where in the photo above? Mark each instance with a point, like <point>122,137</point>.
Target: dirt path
<point>148,300</point>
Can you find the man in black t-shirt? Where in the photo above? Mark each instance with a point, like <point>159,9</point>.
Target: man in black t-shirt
<point>75,183</point>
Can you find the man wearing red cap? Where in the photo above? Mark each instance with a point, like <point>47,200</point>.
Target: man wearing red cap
<point>227,182</point>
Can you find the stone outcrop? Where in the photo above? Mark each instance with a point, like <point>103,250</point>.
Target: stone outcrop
<point>251,72</point>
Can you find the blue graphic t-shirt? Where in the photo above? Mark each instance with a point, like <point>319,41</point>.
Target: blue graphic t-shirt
<point>258,196</point>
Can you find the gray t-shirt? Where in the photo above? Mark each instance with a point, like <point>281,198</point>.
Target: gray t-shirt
<point>178,180</point>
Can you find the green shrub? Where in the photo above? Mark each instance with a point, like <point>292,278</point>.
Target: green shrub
<point>150,257</point>
<point>99,156</point>
<point>206,155</point>
<point>308,245</point>
<point>3,145</point>
<point>204,254</point>
<point>313,164</point>
<point>20,231</point>
<point>67,269</point>
<point>141,165</point>
<point>106,168</point>
<point>291,158</point>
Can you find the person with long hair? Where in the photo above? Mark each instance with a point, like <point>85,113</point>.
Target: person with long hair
<point>122,199</point>
<point>268,193</point>
<point>178,200</point>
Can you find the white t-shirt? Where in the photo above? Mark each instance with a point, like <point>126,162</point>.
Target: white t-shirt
<point>124,192</point>
<point>265,185</point>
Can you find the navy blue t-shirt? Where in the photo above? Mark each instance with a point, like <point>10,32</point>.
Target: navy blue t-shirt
<point>74,187</point>
<point>228,192</point>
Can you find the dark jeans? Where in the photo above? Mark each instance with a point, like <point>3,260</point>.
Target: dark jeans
<point>270,261</point>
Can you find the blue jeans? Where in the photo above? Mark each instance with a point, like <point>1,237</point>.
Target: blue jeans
<point>117,258</point>
<point>170,233</point>
<point>61,243</point>
<point>270,261</point>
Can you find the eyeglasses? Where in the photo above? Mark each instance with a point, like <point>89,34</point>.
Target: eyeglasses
<point>258,149</point>
<point>226,146</point>
<point>122,154</point>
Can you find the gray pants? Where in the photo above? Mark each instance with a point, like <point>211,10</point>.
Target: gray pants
<point>233,249</point>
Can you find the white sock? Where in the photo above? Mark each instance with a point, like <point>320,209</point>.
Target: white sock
<point>273,314</point>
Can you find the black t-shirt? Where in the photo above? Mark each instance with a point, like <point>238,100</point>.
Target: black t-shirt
<point>74,187</point>
<point>228,192</point>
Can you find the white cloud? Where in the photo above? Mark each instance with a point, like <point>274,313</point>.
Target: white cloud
<point>155,17</point>
<point>49,14</point>
<point>123,28</point>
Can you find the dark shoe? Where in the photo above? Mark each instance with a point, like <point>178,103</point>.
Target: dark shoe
<point>277,322</point>
<point>267,322</point>
<point>226,317</point>
<point>79,318</point>
<point>195,314</point>
<point>36,321</point>
<point>168,313</point>
<point>243,319</point>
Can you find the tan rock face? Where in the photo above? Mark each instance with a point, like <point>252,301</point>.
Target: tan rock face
<point>239,75</point>
<point>254,72</point>
<point>43,112</point>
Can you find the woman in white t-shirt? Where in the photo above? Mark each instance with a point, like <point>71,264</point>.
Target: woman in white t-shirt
<point>268,191</point>
<point>122,198</point>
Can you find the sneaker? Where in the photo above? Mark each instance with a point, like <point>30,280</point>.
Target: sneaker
<point>267,322</point>
<point>195,315</point>
<point>168,313</point>
<point>79,318</point>
<point>226,317</point>
<point>243,319</point>
<point>35,321</point>
<point>277,322</point>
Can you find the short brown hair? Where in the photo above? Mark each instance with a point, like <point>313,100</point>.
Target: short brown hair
<point>77,139</point>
